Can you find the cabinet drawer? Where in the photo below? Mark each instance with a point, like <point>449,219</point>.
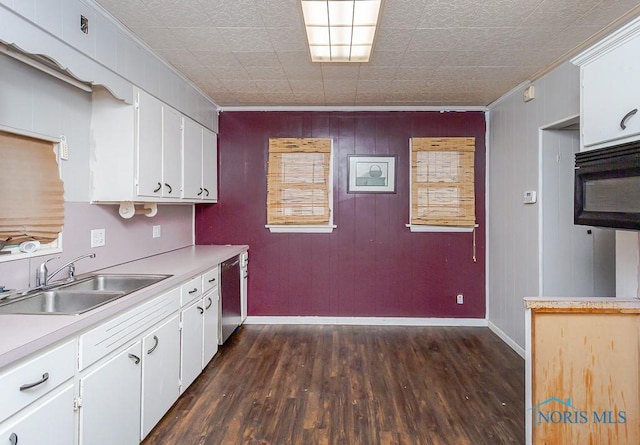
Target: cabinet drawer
<point>52,368</point>
<point>210,280</point>
<point>109,336</point>
<point>190,290</point>
<point>50,422</point>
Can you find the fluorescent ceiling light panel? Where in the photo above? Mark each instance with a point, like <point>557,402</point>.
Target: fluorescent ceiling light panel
<point>340,30</point>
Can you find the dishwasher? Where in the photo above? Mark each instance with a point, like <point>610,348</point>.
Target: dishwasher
<point>229,298</point>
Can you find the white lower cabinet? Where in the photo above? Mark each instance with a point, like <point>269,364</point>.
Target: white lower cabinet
<point>210,328</point>
<point>50,422</point>
<point>110,400</point>
<point>160,372</point>
<point>191,342</point>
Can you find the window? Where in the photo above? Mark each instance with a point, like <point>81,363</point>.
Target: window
<point>299,179</point>
<point>31,194</point>
<point>442,184</point>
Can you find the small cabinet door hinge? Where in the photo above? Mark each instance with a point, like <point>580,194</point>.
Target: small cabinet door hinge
<point>77,403</point>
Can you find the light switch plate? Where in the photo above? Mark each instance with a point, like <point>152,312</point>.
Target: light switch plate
<point>529,197</point>
<point>157,231</point>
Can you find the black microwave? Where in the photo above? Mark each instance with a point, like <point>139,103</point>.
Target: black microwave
<point>607,187</point>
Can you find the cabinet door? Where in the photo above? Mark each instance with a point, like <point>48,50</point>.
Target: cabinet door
<point>110,412</point>
<point>160,372</point>
<point>210,329</point>
<point>191,343</point>
<point>149,145</point>
<point>210,165</point>
<point>51,423</point>
<point>192,161</point>
<point>610,91</point>
<point>171,152</point>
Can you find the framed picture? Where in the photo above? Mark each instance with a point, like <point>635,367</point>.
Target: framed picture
<point>371,174</point>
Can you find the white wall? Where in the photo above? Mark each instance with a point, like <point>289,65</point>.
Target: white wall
<point>513,271</point>
<point>35,102</point>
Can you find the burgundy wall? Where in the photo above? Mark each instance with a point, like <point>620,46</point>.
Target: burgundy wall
<point>371,265</point>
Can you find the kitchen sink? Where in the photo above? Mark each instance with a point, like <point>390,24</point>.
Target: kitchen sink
<point>64,302</point>
<point>116,283</point>
<point>79,296</point>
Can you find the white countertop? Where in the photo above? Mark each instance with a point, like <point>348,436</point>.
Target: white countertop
<point>582,304</point>
<point>21,335</point>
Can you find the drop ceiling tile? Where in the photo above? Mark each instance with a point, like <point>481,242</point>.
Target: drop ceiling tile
<point>376,72</point>
<point>216,59</point>
<point>371,87</point>
<point>284,13</point>
<point>265,58</point>
<point>288,39</point>
<point>266,72</point>
<point>246,39</point>
<point>412,73</point>
<point>203,38</point>
<point>441,14</point>
<point>403,13</point>
<point>498,14</point>
<point>276,98</point>
<point>451,39</point>
<point>236,13</point>
<point>132,13</point>
<point>241,86</point>
<point>302,72</point>
<point>607,11</point>
<point>178,13</point>
<point>340,71</point>
<point>384,58</point>
<point>423,58</point>
<point>300,87</point>
<point>226,73</point>
<point>392,39</point>
<point>274,86</point>
<point>340,87</point>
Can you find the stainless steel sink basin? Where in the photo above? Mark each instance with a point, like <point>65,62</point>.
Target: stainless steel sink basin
<point>63,302</point>
<point>79,296</point>
<point>117,283</point>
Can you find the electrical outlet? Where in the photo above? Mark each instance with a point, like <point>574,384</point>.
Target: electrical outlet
<point>157,231</point>
<point>98,237</point>
<point>460,299</point>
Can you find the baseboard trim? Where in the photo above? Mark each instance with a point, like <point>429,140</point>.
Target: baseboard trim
<point>508,340</point>
<point>368,321</point>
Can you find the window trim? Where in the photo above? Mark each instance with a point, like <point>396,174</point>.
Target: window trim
<point>309,228</point>
<point>54,246</point>
<point>432,228</point>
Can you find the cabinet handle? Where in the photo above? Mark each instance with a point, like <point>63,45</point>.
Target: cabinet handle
<point>206,191</point>
<point>169,187</point>
<point>44,378</point>
<point>210,303</point>
<point>623,122</point>
<point>246,274</point>
<point>158,189</point>
<point>200,309</point>
<point>153,348</point>
<point>13,439</point>
<point>200,192</point>
<point>212,280</point>
<point>135,358</point>
<point>195,289</point>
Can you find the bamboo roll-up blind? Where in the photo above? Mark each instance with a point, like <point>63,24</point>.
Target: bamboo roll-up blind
<point>442,181</point>
<point>31,191</point>
<point>298,181</point>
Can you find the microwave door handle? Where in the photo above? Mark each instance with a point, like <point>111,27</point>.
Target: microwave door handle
<point>623,122</point>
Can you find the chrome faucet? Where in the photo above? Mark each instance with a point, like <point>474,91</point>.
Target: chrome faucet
<point>43,277</point>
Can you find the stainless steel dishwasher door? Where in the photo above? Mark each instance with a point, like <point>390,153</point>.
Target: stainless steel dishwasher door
<point>229,298</point>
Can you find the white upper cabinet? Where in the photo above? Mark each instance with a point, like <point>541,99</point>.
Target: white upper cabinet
<point>610,92</point>
<point>149,152</point>
<point>200,170</point>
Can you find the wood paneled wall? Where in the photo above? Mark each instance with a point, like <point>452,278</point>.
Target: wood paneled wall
<point>371,265</point>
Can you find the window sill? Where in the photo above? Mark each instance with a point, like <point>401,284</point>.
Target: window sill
<point>300,229</point>
<point>441,229</point>
<point>17,255</point>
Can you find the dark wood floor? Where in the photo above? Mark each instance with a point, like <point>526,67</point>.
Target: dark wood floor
<point>353,385</point>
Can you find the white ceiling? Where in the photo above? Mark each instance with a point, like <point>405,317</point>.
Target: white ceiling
<point>426,52</point>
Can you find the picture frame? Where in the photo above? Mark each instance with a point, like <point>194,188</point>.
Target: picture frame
<point>371,173</point>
